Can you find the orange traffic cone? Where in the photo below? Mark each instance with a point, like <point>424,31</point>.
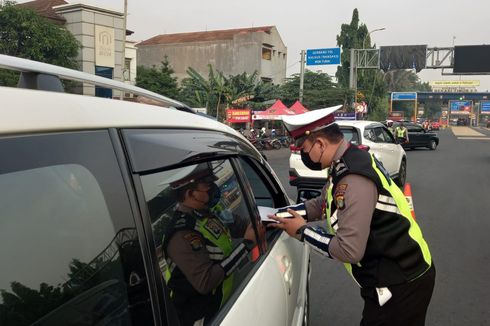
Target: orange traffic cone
<point>407,191</point>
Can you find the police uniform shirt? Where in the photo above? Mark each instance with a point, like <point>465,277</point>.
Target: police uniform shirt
<point>187,250</point>
<point>354,218</point>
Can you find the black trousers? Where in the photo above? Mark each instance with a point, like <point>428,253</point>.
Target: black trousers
<point>407,306</point>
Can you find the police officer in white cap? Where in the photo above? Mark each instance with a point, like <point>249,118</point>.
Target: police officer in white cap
<point>369,226</point>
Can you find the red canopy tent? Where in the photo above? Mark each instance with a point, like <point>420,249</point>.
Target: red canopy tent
<point>298,108</point>
<point>274,112</point>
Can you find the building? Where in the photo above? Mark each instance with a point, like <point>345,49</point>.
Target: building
<point>231,51</point>
<point>101,35</point>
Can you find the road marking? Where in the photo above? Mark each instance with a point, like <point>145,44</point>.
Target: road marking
<point>474,138</point>
<point>465,131</point>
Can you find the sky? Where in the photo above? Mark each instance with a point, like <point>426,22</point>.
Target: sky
<point>311,24</point>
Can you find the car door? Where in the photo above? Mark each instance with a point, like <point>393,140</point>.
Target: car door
<point>71,248</point>
<point>378,146</point>
<point>285,263</point>
<point>416,136</point>
<point>393,152</point>
<point>267,286</point>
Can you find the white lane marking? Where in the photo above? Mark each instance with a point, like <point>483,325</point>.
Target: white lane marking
<point>474,138</point>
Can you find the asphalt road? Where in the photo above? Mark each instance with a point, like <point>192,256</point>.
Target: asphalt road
<point>451,195</point>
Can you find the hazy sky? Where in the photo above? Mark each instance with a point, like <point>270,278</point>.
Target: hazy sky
<point>312,24</point>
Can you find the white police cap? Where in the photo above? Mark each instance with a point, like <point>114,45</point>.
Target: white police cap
<point>302,124</point>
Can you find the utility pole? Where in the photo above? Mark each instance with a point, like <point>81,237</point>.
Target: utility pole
<point>353,74</point>
<point>302,75</point>
<point>125,18</point>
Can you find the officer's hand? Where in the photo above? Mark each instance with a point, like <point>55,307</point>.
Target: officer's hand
<point>288,224</point>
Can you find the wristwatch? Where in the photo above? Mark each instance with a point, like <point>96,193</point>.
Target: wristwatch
<point>300,232</point>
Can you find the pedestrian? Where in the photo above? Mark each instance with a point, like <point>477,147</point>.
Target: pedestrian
<point>273,133</point>
<point>369,226</point>
<point>401,133</point>
<point>389,124</point>
<point>199,251</point>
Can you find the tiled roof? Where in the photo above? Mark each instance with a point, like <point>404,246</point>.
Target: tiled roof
<point>45,9</point>
<point>226,34</point>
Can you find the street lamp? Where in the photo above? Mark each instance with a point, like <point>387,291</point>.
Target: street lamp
<point>374,30</point>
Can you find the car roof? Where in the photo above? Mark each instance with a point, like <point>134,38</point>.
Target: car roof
<point>34,111</point>
<point>361,124</point>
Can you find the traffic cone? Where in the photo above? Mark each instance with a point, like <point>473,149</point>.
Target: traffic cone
<point>407,191</point>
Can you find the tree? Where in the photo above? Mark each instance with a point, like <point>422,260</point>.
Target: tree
<point>319,91</point>
<point>25,34</point>
<point>159,80</point>
<point>370,83</point>
<point>405,81</point>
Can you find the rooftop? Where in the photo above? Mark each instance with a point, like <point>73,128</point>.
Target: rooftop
<point>226,34</point>
<point>45,9</point>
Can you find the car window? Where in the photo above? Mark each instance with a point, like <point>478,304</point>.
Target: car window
<point>70,246</point>
<point>388,136</point>
<point>351,135</point>
<point>199,218</point>
<point>370,135</point>
<point>415,128</point>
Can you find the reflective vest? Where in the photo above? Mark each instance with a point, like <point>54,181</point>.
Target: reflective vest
<point>396,251</point>
<point>217,240</point>
<point>400,132</point>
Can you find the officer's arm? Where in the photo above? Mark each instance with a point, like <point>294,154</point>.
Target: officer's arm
<point>358,196</point>
<point>314,207</point>
<point>188,251</point>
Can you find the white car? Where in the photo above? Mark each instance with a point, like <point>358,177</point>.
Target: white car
<point>368,135</point>
<point>86,185</point>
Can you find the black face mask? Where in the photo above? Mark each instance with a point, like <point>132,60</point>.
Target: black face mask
<point>305,157</point>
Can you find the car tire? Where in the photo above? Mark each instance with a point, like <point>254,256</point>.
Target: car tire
<point>402,174</point>
<point>432,145</point>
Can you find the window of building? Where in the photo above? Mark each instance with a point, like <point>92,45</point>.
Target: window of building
<point>127,69</point>
<point>266,79</point>
<point>70,252</point>
<point>200,219</point>
<point>266,54</point>
<point>284,56</point>
<point>105,72</point>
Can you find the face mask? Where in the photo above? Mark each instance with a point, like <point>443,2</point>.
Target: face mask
<point>305,157</point>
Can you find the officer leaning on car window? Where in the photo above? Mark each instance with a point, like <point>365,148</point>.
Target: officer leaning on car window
<point>198,249</point>
<point>369,224</point>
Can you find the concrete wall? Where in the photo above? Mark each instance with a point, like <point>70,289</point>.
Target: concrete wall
<point>241,54</point>
<point>184,55</point>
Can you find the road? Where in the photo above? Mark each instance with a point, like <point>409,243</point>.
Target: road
<point>451,195</point>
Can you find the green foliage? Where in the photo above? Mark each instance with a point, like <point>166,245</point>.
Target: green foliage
<point>370,82</point>
<point>159,80</point>
<point>25,34</point>
<point>319,91</point>
<point>405,81</point>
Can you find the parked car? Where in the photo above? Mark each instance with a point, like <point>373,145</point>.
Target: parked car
<point>419,137</point>
<point>368,135</point>
<point>86,191</point>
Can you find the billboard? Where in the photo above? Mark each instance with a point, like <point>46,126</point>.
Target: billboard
<point>454,83</point>
<point>238,115</point>
<point>461,107</point>
<point>403,57</point>
<point>471,59</point>
<point>485,107</point>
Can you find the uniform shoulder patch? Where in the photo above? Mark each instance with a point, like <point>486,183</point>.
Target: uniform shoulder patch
<point>194,240</point>
<point>340,195</point>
